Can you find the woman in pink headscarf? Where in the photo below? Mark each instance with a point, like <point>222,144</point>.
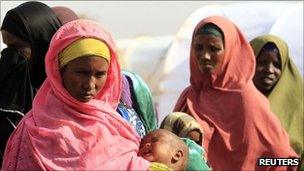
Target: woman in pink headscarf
<point>73,124</point>
<point>236,118</point>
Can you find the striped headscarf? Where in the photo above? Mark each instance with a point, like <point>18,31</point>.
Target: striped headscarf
<point>181,124</point>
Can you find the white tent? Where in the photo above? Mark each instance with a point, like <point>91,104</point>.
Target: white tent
<point>145,55</point>
<point>290,28</point>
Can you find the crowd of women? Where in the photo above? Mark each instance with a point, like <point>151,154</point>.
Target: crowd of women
<point>65,103</point>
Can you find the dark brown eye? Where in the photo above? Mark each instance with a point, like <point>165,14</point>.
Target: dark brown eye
<point>262,62</point>
<point>198,47</point>
<point>214,49</point>
<point>100,74</point>
<point>277,64</point>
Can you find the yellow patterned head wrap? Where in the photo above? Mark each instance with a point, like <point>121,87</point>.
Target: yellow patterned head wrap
<point>84,47</point>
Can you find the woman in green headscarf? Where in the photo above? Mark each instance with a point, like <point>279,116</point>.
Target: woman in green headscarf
<point>278,78</point>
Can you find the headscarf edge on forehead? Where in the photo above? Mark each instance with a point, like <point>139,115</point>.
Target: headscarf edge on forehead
<point>236,72</point>
<point>210,29</point>
<point>200,104</point>
<point>71,32</point>
<point>84,47</point>
<point>259,42</point>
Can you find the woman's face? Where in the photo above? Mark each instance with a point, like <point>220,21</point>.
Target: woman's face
<point>209,51</point>
<point>23,47</point>
<point>268,70</point>
<point>84,77</point>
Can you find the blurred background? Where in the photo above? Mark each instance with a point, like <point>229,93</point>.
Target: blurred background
<point>126,19</point>
<point>153,37</point>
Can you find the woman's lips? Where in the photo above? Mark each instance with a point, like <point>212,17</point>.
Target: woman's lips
<point>208,66</point>
<point>86,96</point>
<point>268,80</point>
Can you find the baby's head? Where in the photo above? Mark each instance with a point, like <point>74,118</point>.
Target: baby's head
<point>165,147</point>
<point>183,125</point>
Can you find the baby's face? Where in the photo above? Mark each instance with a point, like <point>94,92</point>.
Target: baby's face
<point>156,147</point>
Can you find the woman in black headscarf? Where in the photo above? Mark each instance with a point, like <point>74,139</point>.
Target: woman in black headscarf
<point>27,31</point>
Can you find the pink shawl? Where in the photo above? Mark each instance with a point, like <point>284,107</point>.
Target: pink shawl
<point>61,133</point>
<point>236,119</point>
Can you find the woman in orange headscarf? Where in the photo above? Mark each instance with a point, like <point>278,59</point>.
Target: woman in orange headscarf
<point>238,124</point>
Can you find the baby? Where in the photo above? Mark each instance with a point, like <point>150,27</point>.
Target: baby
<point>163,146</point>
<point>186,127</point>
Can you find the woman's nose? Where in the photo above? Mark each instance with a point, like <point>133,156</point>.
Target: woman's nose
<point>206,56</point>
<point>270,68</point>
<point>89,84</point>
<point>203,56</point>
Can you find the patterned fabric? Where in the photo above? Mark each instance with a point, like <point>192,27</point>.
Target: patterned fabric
<point>180,124</point>
<point>125,92</point>
<point>142,100</point>
<point>238,124</point>
<point>62,133</point>
<point>131,116</point>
